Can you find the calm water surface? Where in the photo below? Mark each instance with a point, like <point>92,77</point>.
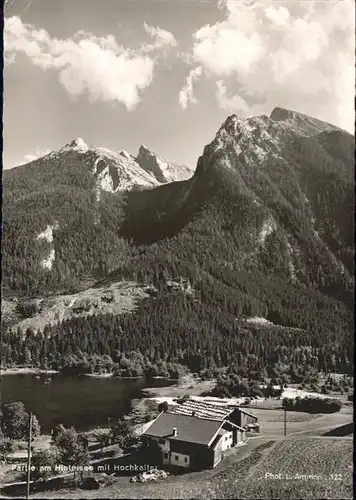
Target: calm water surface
<point>81,401</point>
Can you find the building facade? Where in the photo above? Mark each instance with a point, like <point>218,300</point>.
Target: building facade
<point>192,442</point>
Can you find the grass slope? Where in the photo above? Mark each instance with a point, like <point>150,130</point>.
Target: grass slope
<point>242,474</point>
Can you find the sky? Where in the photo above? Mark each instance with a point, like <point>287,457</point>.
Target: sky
<point>167,73</point>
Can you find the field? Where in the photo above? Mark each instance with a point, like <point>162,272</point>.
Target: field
<point>242,474</point>
<point>272,421</point>
<point>303,468</point>
<point>309,449</point>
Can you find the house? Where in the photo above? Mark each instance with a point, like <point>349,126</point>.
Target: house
<point>204,409</point>
<point>192,442</point>
<point>246,419</point>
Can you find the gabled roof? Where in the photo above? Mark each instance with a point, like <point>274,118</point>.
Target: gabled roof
<point>189,429</point>
<point>202,409</point>
<point>247,412</point>
<point>206,409</point>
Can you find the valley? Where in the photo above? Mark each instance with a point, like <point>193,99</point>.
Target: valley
<point>232,283</point>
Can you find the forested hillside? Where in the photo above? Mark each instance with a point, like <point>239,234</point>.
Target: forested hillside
<point>264,228</point>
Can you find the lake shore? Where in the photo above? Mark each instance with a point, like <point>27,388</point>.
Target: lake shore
<point>25,371</point>
<point>187,385</point>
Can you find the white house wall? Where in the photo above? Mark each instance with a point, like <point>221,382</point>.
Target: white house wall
<point>226,440</point>
<point>180,460</point>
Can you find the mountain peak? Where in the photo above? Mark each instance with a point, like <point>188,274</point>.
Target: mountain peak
<point>78,144</point>
<point>125,154</point>
<point>145,150</point>
<point>302,123</point>
<point>162,170</point>
<point>282,114</point>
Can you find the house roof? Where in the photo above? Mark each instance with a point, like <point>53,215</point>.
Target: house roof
<point>190,429</point>
<point>203,409</point>
<point>247,412</point>
<point>232,424</point>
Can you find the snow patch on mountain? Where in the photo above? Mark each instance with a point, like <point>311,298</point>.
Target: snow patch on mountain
<point>259,321</point>
<point>125,154</point>
<point>268,227</point>
<point>47,235</point>
<point>77,145</point>
<point>103,179</point>
<point>47,262</point>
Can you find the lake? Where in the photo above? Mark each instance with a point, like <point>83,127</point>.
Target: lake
<point>82,401</point>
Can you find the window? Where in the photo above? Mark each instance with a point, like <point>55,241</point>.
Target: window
<point>166,455</point>
<point>176,457</point>
<point>162,441</point>
<point>185,459</point>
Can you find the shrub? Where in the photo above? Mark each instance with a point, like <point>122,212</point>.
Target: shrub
<point>163,406</point>
<point>312,405</point>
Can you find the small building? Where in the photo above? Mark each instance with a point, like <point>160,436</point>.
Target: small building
<point>192,442</point>
<point>246,419</point>
<point>204,409</point>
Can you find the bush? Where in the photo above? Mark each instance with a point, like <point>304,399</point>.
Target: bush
<point>312,405</point>
<point>15,421</point>
<point>27,309</point>
<point>44,463</point>
<point>6,447</point>
<point>163,406</point>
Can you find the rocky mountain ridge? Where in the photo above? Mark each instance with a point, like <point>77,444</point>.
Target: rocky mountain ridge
<point>116,171</point>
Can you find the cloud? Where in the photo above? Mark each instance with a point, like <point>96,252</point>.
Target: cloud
<point>234,104</point>
<point>162,37</point>
<point>298,55</point>
<point>187,94</point>
<point>38,154</point>
<point>87,64</point>
<point>278,15</point>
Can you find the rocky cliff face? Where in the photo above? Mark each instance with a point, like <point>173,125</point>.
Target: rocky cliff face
<point>162,170</point>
